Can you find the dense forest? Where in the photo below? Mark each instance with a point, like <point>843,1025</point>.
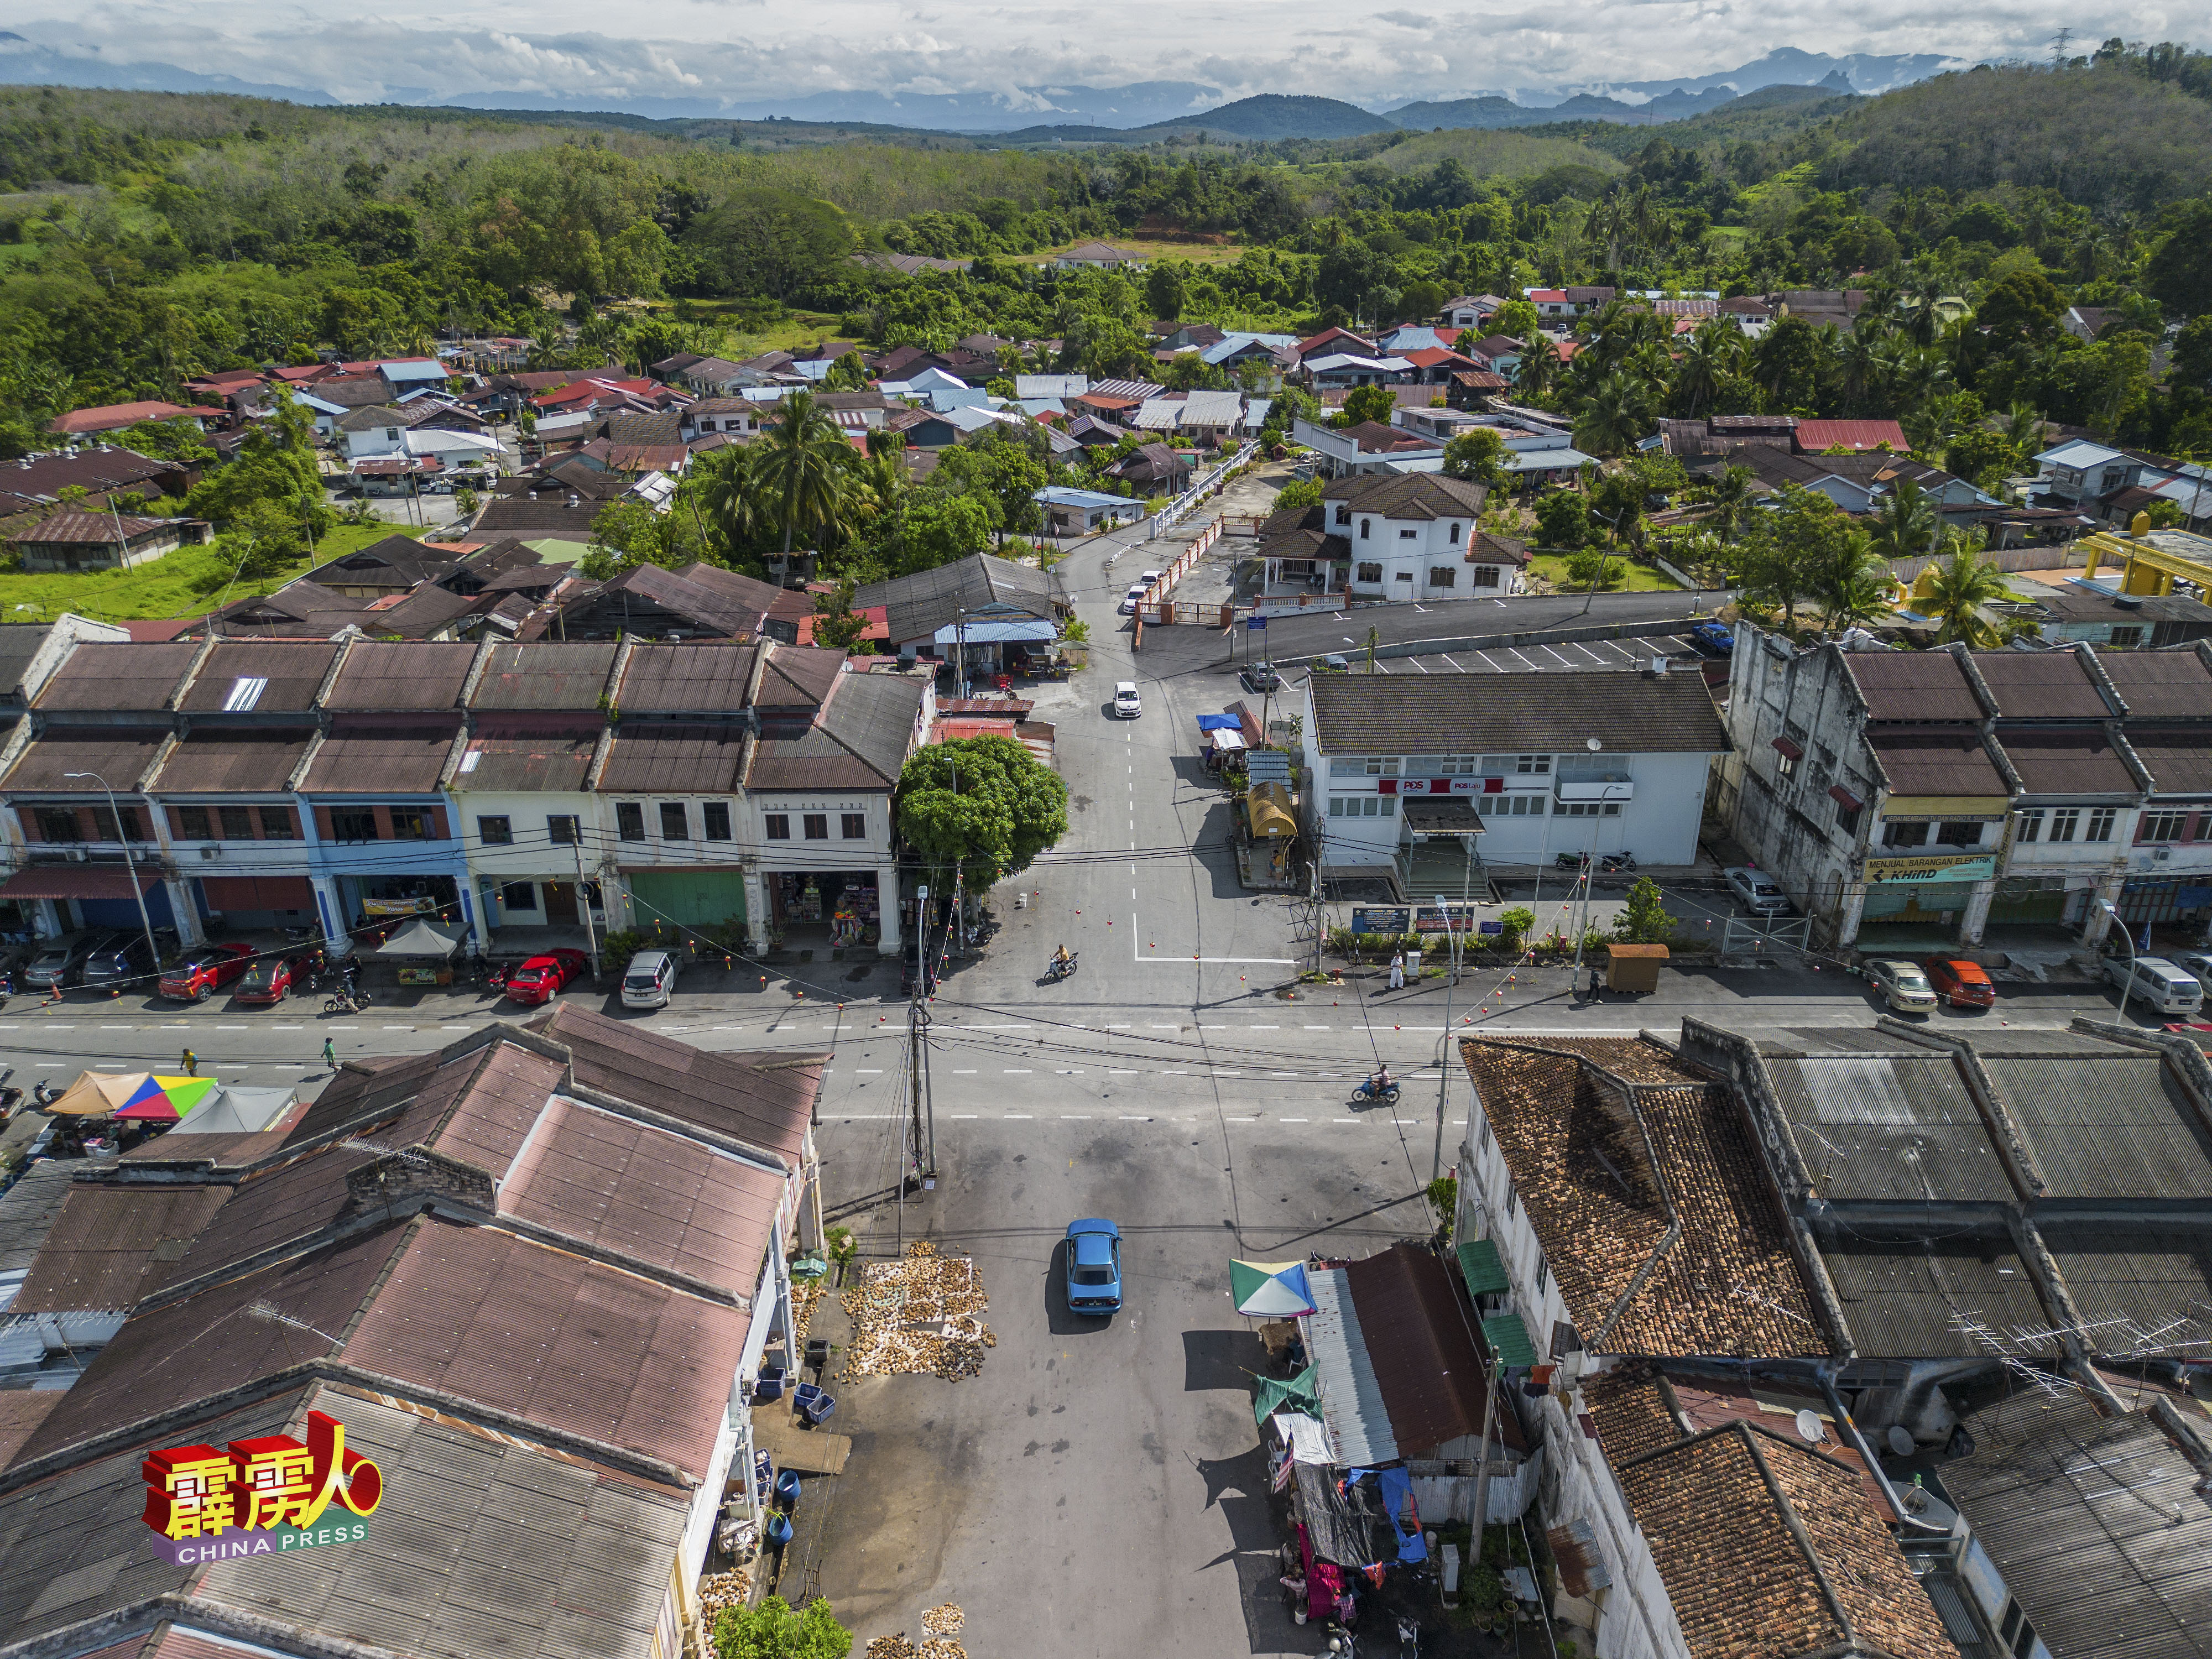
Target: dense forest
<point>145,239</point>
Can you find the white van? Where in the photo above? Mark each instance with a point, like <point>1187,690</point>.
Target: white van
<point>2163,987</point>
<point>648,980</point>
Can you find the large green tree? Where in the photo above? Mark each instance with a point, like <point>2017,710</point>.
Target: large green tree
<point>774,1630</point>
<point>769,241</point>
<point>801,467</point>
<point>983,806</point>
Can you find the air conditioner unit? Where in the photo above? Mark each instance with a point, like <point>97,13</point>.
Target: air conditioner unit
<point>2161,855</point>
<point>78,855</point>
<point>211,851</point>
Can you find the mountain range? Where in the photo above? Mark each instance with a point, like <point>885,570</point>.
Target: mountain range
<point>1066,113</point>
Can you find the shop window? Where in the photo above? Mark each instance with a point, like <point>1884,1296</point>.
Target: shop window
<point>714,816</point>
<point>2028,826</point>
<point>352,823</point>
<point>2100,823</point>
<point>57,824</point>
<point>237,824</point>
<point>1369,573</point>
<point>1958,835</point>
<point>1905,835</point>
<point>855,826</point>
<point>561,829</point>
<point>496,831</point>
<point>629,820</point>
<point>2160,826</point>
<point>779,826</point>
<point>818,826</point>
<point>410,823</point>
<point>518,895</point>
<point>277,823</point>
<point>191,824</point>
<point>1443,575</point>
<point>675,822</point>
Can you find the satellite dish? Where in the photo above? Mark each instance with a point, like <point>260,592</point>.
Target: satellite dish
<point>1592,744</point>
<point>1809,1428</point>
<point>1900,1443</point>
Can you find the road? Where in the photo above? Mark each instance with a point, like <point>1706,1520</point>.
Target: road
<point>1100,1479</point>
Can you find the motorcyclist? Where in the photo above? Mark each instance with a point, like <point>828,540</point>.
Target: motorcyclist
<point>1379,1085</point>
<point>1061,961</point>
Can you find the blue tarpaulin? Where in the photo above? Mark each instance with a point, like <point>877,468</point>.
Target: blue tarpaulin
<point>1398,1503</point>
<point>1220,723</point>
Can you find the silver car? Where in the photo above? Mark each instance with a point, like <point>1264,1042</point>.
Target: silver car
<point>62,961</point>
<point>1756,888</point>
<point>649,978</point>
<point>1902,985</point>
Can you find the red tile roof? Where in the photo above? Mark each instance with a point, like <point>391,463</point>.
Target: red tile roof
<point>109,417</point>
<point>1815,436</point>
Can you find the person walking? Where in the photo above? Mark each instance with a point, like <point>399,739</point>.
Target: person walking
<point>1398,971</point>
<point>1593,984</point>
<point>329,1053</point>
<point>190,1062</point>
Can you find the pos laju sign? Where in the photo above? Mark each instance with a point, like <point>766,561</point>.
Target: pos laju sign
<point>258,1497</point>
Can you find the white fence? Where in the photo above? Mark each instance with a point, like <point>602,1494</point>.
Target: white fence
<point>1192,551</point>
<point>1180,508</point>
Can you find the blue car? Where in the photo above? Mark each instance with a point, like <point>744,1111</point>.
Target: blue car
<point>1094,1266</point>
<point>1712,639</point>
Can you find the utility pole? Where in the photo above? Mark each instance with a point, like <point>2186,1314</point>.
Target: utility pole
<point>583,904</point>
<point>1443,1049</point>
<point>917,1037</point>
<point>1482,1469</point>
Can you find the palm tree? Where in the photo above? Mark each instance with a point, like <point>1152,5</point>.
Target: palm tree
<point>1612,414</point>
<point>1709,356</point>
<point>1854,587</point>
<point>1963,584</point>
<point>1539,367</point>
<point>2023,430</point>
<point>1860,361</point>
<point>1921,291</point>
<point>802,466</point>
<point>725,497</point>
<point>1732,502</point>
<point>1904,525</point>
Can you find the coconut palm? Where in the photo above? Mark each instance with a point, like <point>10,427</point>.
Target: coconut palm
<point>725,498</point>
<point>1854,586</point>
<point>1962,585</point>
<point>1732,501</point>
<point>1709,356</point>
<point>1904,525</point>
<point>1539,367</point>
<point>1612,414</point>
<point>2023,430</point>
<point>802,466</point>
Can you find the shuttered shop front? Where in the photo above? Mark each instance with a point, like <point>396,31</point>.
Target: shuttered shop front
<point>687,898</point>
<point>273,899</point>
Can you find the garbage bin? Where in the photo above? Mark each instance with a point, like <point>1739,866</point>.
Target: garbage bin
<point>787,1487</point>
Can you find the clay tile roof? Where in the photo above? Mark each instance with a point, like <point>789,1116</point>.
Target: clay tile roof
<point>1603,1169</point>
<point>1629,1405</point>
<point>1486,548</point>
<point>1767,1549</point>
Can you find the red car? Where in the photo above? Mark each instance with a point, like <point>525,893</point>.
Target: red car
<point>204,972</point>
<point>539,979</point>
<point>1959,983</point>
<point>271,980</point>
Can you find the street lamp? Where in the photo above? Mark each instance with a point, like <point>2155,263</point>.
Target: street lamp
<point>115,813</point>
<point>2128,990</point>
<point>1443,1070</point>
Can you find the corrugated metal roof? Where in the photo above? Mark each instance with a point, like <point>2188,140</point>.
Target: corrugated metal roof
<point>1888,1127</point>
<point>361,760</point>
<point>1480,1266</point>
<point>2065,762</point>
<point>860,741</point>
<point>1423,1349</point>
<point>290,671</point>
<point>120,757</point>
<point>1937,762</point>
<point>670,759</point>
<point>1904,1287</point>
<point>1912,685</point>
<point>1353,1413</point>
<point>29,1209</point>
<point>2107,1127</point>
<point>2096,1525</point>
<point>100,677</point>
<point>488,1120</point>
<point>1543,712</point>
<point>2159,683</point>
<point>687,679</point>
<point>112,1245</point>
<point>2151,1281</point>
<point>545,675</point>
<point>1508,1338</point>
<point>2041,685</point>
<point>558,761</point>
<point>2179,760</point>
<point>216,762</point>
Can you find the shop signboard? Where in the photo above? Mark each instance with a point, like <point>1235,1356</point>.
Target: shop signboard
<point>1970,867</point>
<point>1378,922</point>
<point>265,1495</point>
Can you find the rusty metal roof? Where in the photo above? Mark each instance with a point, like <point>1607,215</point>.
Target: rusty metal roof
<point>261,675</point>
<point>120,756</point>
<point>1937,762</point>
<point>101,676</point>
<point>394,675</point>
<point>701,679</point>
<point>2152,682</point>
<point>376,760</point>
<point>545,675</point>
<point>2055,761</point>
<point>1419,1341</point>
<point>2041,685</point>
<point>675,759</point>
<point>114,1244</point>
<point>1913,685</point>
<point>219,762</point>
<point>559,761</point>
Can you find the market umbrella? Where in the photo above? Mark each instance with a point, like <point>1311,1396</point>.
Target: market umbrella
<point>96,1094</point>
<point>420,937</point>
<point>166,1099</point>
<point>1270,1290</point>
<point>234,1110</point>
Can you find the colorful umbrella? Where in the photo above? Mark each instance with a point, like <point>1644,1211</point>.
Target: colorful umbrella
<point>1270,1290</point>
<point>166,1099</point>
<point>96,1094</point>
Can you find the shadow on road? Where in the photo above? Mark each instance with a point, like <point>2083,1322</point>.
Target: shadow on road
<point>1218,1359</point>
<point>1060,1318</point>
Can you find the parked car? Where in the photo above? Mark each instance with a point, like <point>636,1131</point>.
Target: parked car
<point>1960,983</point>
<point>541,978</point>
<point>1094,1266</point>
<point>1125,705</point>
<point>1129,599</point>
<point>201,974</point>
<point>271,980</point>
<point>1713,638</point>
<point>649,979</point>
<point>2197,964</point>
<point>1261,676</point>
<point>1902,985</point>
<point>1148,577</point>
<point>126,957</point>
<point>1335,664</point>
<point>61,963</point>
<point>2163,987</point>
<point>1757,891</point>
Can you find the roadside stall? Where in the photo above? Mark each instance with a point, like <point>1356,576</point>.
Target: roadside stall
<point>1634,968</point>
<point>422,952</point>
<point>1268,850</point>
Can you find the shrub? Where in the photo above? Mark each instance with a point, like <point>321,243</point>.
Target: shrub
<point>617,948</point>
<point>1517,922</point>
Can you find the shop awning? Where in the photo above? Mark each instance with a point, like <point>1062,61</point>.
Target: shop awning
<point>1479,1264</point>
<point>74,881</point>
<point>1844,798</point>
<point>1220,723</point>
<point>1785,746</point>
<point>1275,1394</point>
<point>1029,629</point>
<point>1509,1339</point>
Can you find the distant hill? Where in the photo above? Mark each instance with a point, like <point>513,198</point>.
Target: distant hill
<point>1488,112</point>
<point>1272,115</point>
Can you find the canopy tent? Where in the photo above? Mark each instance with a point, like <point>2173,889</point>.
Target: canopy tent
<point>138,1095</point>
<point>1270,1290</point>
<point>234,1110</point>
<point>1303,1436</point>
<point>421,937</point>
<point>1220,723</point>
<point>1274,1393</point>
<point>1269,807</point>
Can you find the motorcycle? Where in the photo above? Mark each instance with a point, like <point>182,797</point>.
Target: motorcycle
<point>1057,969</point>
<point>1568,861</point>
<point>1613,862</point>
<point>1366,1095</point>
<point>346,1002</point>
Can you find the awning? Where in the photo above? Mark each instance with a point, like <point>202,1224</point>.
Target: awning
<point>1844,798</point>
<point>1220,723</point>
<point>73,881</point>
<point>1786,747</point>
<point>1480,1265</point>
<point>1033,629</point>
<point>1274,1393</point>
<point>1302,1435</point>
<point>1509,1339</point>
<point>1268,806</point>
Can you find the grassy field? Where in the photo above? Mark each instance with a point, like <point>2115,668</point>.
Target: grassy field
<point>184,584</point>
<point>1641,579</point>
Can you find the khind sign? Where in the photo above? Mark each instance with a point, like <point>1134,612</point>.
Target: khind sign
<point>259,1497</point>
<point>1970,867</point>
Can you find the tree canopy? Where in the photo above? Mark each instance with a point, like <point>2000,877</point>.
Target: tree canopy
<point>982,806</point>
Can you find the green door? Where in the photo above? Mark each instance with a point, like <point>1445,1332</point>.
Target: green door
<point>688,898</point>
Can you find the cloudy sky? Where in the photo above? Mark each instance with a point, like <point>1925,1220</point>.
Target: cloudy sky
<point>752,50</point>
